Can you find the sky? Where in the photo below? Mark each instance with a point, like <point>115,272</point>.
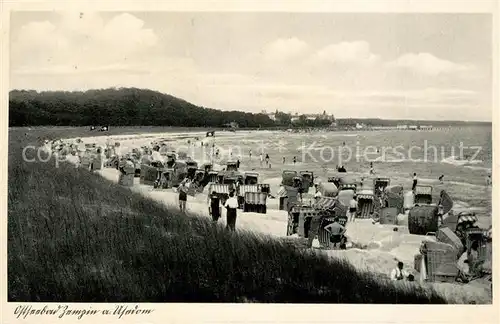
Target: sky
<point>373,65</point>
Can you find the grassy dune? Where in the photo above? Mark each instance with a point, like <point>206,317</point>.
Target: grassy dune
<point>72,236</point>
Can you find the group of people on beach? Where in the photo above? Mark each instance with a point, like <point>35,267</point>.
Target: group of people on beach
<point>215,205</point>
<point>264,160</point>
<point>231,205</point>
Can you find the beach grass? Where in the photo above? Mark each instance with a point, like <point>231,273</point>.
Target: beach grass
<point>75,237</point>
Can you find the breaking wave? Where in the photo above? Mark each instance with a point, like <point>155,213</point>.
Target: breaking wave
<point>479,168</point>
<point>459,162</point>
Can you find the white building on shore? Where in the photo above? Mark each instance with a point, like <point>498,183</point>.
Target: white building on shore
<point>296,117</point>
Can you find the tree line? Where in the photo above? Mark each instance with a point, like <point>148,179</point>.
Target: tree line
<point>119,107</point>
<point>136,107</point>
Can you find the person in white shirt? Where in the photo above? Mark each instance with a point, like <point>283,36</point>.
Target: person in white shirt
<point>353,207</point>
<point>318,194</point>
<point>97,162</point>
<point>47,147</point>
<point>398,273</point>
<point>231,207</point>
<point>73,159</point>
<point>156,156</point>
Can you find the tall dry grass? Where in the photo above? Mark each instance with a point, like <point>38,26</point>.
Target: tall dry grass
<point>75,237</point>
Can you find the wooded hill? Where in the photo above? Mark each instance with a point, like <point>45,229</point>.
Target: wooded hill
<point>119,107</point>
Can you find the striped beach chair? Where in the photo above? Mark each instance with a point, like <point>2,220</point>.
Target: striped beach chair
<point>299,220</point>
<point>255,202</point>
<point>325,203</point>
<point>242,190</point>
<point>423,194</point>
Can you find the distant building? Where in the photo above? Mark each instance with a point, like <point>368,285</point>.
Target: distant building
<point>413,127</point>
<point>426,127</point>
<point>402,127</point>
<point>359,126</point>
<point>311,117</point>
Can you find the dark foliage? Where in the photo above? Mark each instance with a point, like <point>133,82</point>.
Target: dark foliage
<point>119,107</point>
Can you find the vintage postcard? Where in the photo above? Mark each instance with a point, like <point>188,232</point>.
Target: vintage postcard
<point>213,161</point>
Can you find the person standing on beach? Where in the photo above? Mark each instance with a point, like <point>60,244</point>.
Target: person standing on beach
<point>441,179</point>
<point>214,206</point>
<point>353,207</point>
<point>415,181</point>
<point>317,194</point>
<point>337,233</point>
<point>212,152</point>
<point>261,157</point>
<point>182,196</point>
<point>294,159</point>
<point>283,160</point>
<point>371,168</point>
<point>231,207</point>
<point>267,159</point>
<point>250,154</point>
<point>156,156</point>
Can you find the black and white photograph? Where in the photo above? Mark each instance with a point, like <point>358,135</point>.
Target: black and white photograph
<point>279,157</point>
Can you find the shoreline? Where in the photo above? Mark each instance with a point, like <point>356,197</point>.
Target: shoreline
<point>169,129</point>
